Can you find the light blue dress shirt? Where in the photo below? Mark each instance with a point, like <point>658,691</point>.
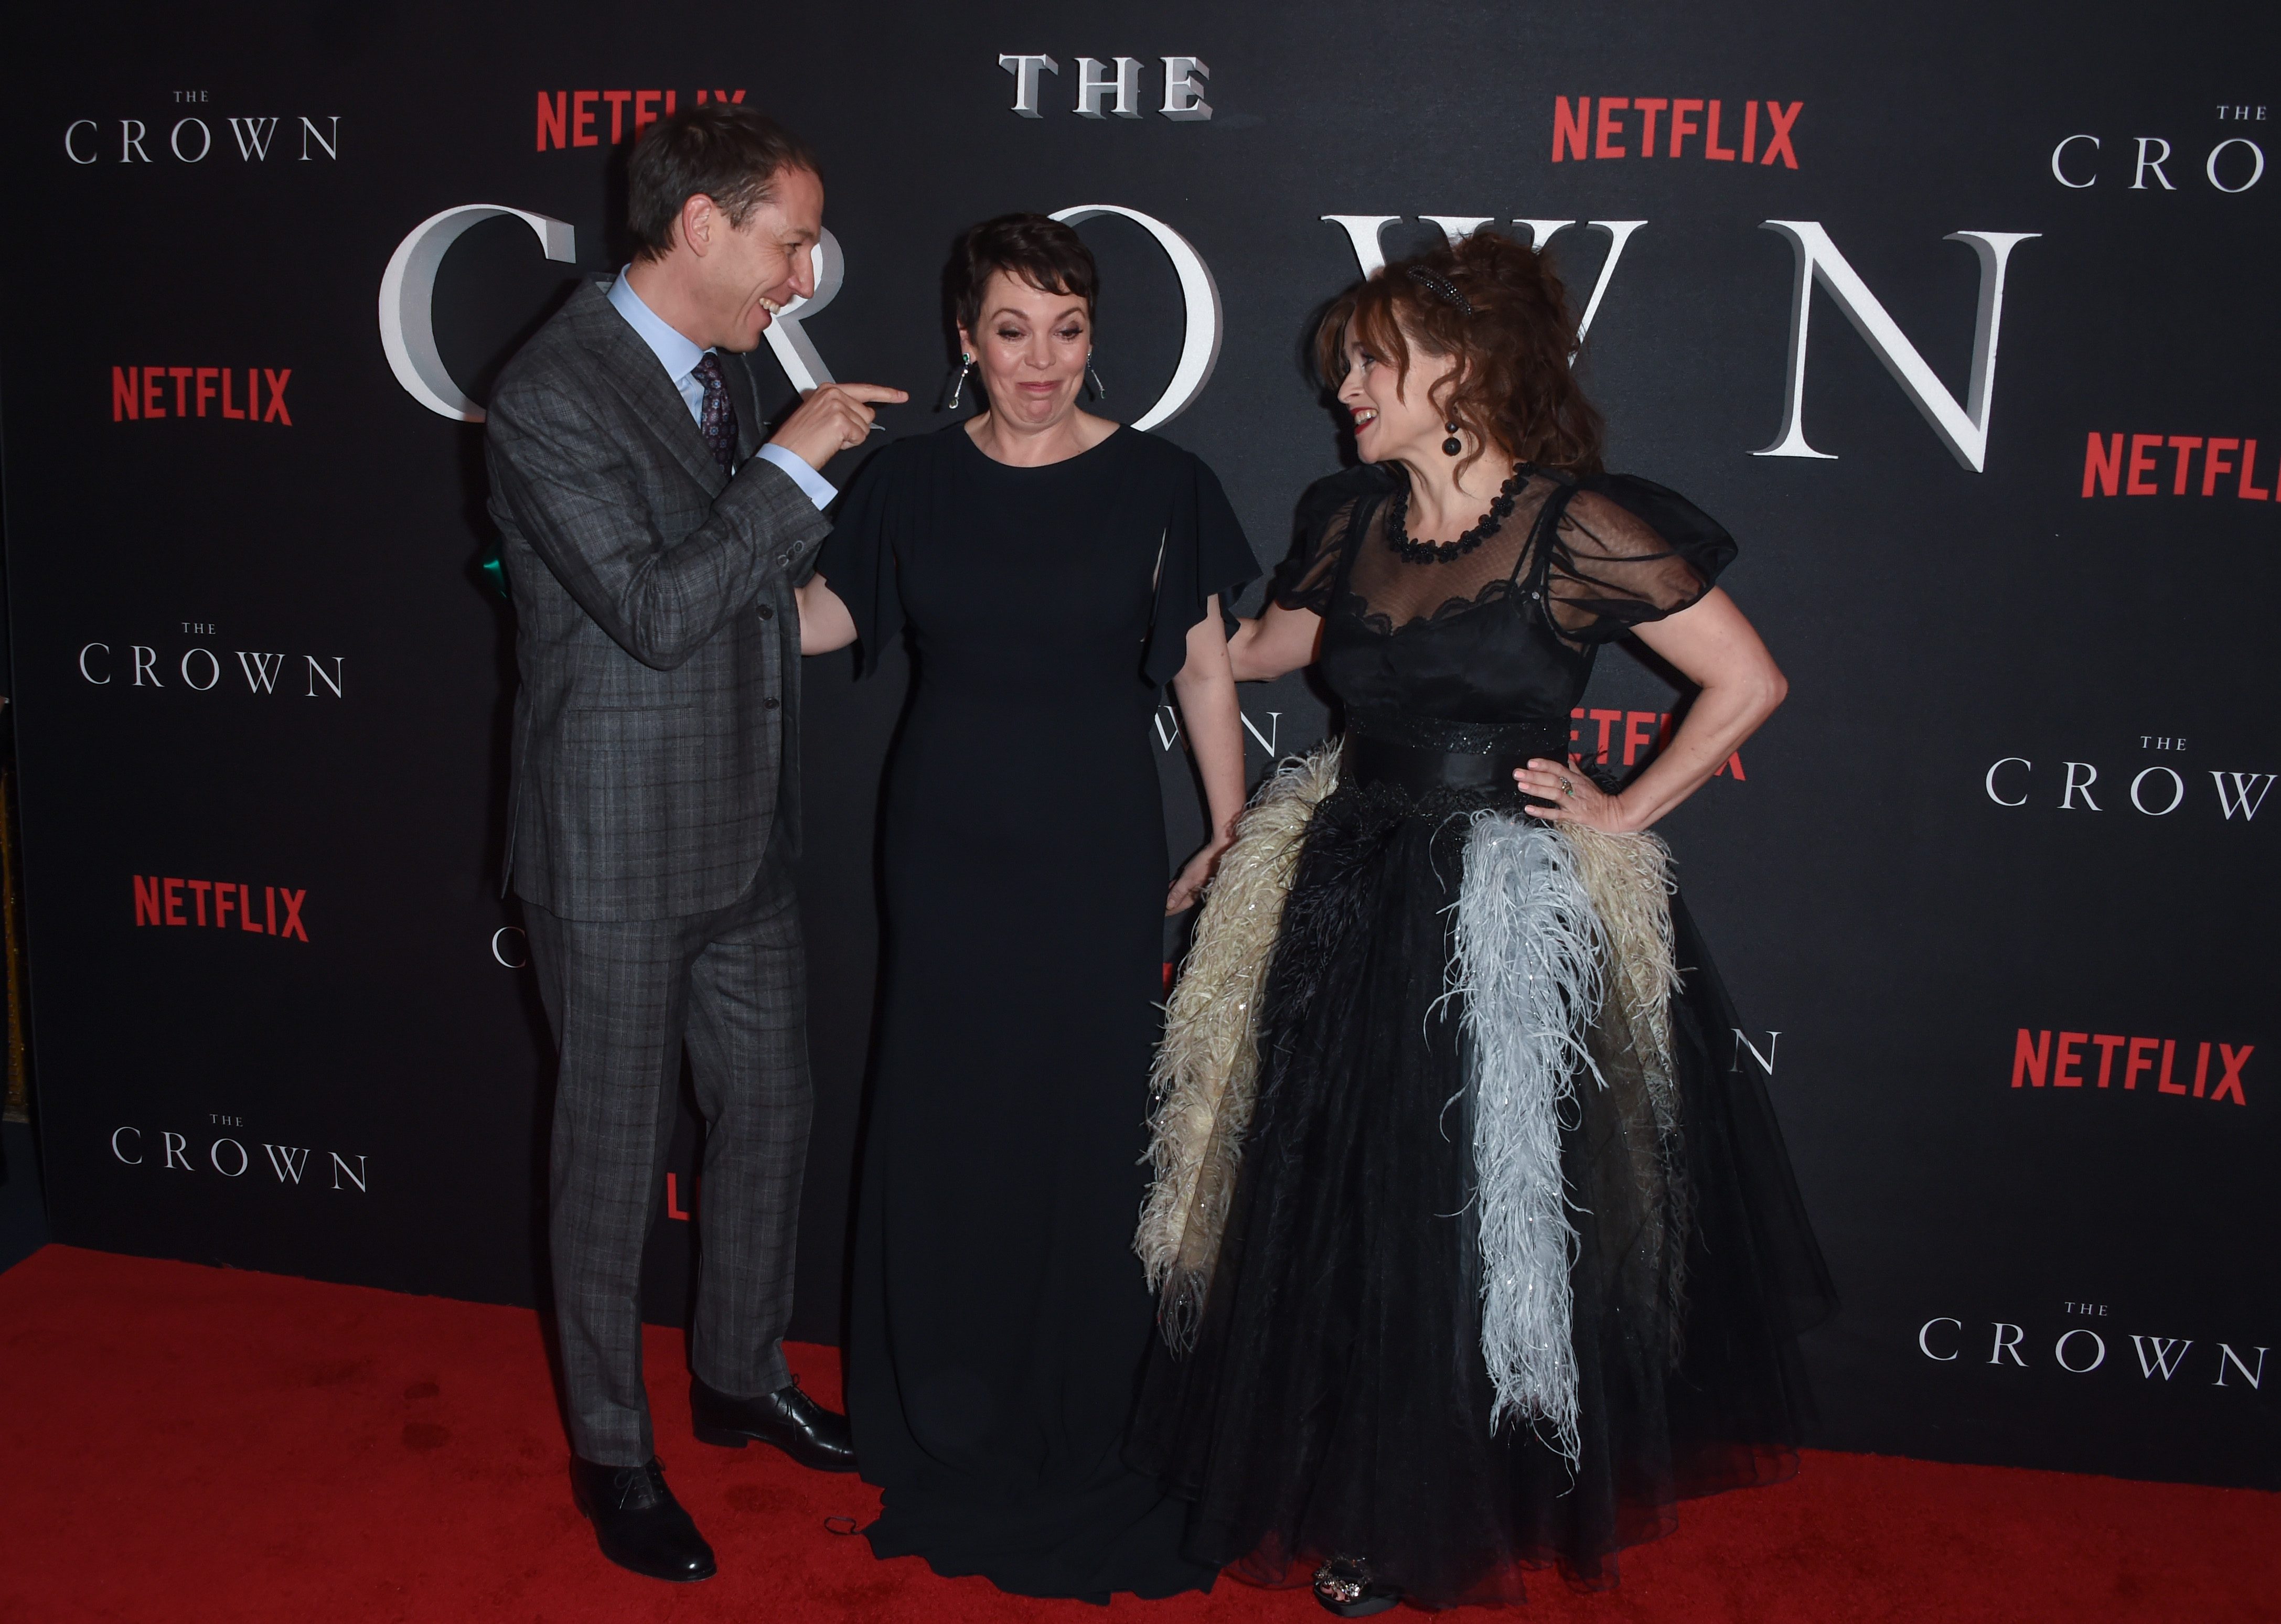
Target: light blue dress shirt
<point>679,357</point>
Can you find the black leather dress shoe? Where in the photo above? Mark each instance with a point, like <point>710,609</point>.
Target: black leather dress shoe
<point>639,1523</point>
<point>815,1437</point>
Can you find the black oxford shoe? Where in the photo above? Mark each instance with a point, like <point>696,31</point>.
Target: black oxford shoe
<point>639,1523</point>
<point>815,1437</point>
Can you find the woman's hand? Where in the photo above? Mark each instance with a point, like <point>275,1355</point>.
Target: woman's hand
<point>1576,798</point>
<point>1188,888</point>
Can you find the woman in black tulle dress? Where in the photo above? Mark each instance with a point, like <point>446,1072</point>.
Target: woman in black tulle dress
<point>1471,1260</point>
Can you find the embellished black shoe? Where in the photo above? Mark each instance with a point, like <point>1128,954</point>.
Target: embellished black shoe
<point>1343,1585</point>
<point>815,1437</point>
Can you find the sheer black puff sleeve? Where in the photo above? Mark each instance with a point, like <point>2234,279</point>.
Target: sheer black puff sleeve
<point>1204,553</point>
<point>1307,579</point>
<point>1626,552</point>
<point>858,558</point>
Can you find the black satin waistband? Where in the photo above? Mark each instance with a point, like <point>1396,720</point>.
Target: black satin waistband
<point>1447,755</point>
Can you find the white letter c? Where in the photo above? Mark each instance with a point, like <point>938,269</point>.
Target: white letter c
<point>407,295</point>
<point>1927,1326</point>
<point>1989,782</point>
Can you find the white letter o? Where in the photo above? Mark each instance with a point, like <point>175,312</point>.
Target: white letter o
<point>1199,299</point>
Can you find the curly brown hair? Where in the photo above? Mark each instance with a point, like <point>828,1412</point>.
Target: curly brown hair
<point>1513,385</point>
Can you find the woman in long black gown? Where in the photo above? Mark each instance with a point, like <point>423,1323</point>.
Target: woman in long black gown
<point>1472,1259</point>
<point>1054,570</point>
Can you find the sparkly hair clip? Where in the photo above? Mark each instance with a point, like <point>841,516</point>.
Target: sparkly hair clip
<point>1440,288</point>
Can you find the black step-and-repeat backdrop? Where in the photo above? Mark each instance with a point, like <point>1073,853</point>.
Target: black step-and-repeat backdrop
<point>1959,317</point>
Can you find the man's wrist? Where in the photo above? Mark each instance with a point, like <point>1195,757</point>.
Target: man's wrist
<point>813,485</point>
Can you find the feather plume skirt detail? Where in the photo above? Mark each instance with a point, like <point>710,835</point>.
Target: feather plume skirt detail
<point>1472,1257</point>
<point>1551,919</point>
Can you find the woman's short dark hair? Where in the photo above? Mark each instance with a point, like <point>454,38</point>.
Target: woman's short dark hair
<point>1035,249</point>
<point>724,151</point>
<point>1506,318</point>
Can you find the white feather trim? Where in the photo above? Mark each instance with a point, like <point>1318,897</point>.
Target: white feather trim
<point>1206,1071</point>
<point>1527,967</point>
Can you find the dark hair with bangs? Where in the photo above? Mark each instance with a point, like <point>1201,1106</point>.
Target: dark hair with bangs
<point>1035,249</point>
<point>724,151</point>
<point>1511,385</point>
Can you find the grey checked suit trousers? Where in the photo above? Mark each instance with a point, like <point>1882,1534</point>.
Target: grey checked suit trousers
<point>655,842</point>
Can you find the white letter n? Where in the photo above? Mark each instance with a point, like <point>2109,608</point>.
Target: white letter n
<point>1963,430</point>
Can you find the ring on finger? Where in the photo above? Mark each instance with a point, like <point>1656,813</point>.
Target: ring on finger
<point>1567,788</point>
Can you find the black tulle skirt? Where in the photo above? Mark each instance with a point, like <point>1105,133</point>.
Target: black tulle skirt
<point>1336,1401</point>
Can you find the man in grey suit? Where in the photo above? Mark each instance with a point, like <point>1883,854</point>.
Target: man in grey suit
<point>653,545</point>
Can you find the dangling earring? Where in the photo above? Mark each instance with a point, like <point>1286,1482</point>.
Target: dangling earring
<point>1451,446</point>
<point>958,380</point>
<point>1098,389</point>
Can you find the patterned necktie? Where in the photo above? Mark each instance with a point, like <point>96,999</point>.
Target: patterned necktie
<point>717,422</point>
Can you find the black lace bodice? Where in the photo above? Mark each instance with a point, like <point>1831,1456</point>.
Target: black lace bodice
<point>1507,633</point>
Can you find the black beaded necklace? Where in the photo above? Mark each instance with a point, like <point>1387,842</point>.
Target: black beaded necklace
<point>1397,524</point>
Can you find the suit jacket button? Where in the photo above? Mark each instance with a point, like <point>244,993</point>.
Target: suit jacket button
<point>767,613</point>
<point>784,560</point>
<point>770,704</point>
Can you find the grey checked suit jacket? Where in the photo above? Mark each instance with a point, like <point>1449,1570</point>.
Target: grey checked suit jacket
<point>655,731</point>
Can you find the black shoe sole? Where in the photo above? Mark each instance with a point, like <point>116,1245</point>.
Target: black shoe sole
<point>722,1437</point>
<point>1371,1601</point>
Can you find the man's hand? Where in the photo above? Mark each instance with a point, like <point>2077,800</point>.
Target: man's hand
<point>829,419</point>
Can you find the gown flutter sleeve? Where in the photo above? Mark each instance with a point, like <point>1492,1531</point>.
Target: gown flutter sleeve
<point>1204,553</point>
<point>858,560</point>
<point>1626,552</point>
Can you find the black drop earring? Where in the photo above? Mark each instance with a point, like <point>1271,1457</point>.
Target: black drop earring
<point>958,381</point>
<point>1451,446</point>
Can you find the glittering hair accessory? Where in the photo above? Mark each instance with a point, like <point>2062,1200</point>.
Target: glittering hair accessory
<point>1440,288</point>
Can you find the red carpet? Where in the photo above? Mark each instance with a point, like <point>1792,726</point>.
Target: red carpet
<point>182,1443</point>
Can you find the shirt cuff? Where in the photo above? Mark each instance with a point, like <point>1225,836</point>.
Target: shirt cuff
<point>812,484</point>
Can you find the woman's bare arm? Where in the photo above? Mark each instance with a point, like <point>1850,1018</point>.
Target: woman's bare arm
<point>1716,648</point>
<point>824,622</point>
<point>1279,640</point>
<point>1206,691</point>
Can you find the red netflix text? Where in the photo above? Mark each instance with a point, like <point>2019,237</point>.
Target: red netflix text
<point>1644,732</point>
<point>2108,467</point>
<point>142,394</point>
<point>573,118</point>
<point>1578,133</point>
<point>210,903</point>
<point>2066,1062</point>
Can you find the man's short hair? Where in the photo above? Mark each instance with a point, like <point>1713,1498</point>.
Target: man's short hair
<point>724,151</point>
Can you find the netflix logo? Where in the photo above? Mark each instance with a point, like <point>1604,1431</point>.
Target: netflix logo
<point>139,394</point>
<point>2108,469</point>
<point>1644,732</point>
<point>2038,1059</point>
<point>573,119</point>
<point>1579,134</point>
<point>207,904</point>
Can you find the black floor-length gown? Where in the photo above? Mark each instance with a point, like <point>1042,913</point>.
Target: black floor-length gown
<point>999,1323</point>
<point>1336,1400</point>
